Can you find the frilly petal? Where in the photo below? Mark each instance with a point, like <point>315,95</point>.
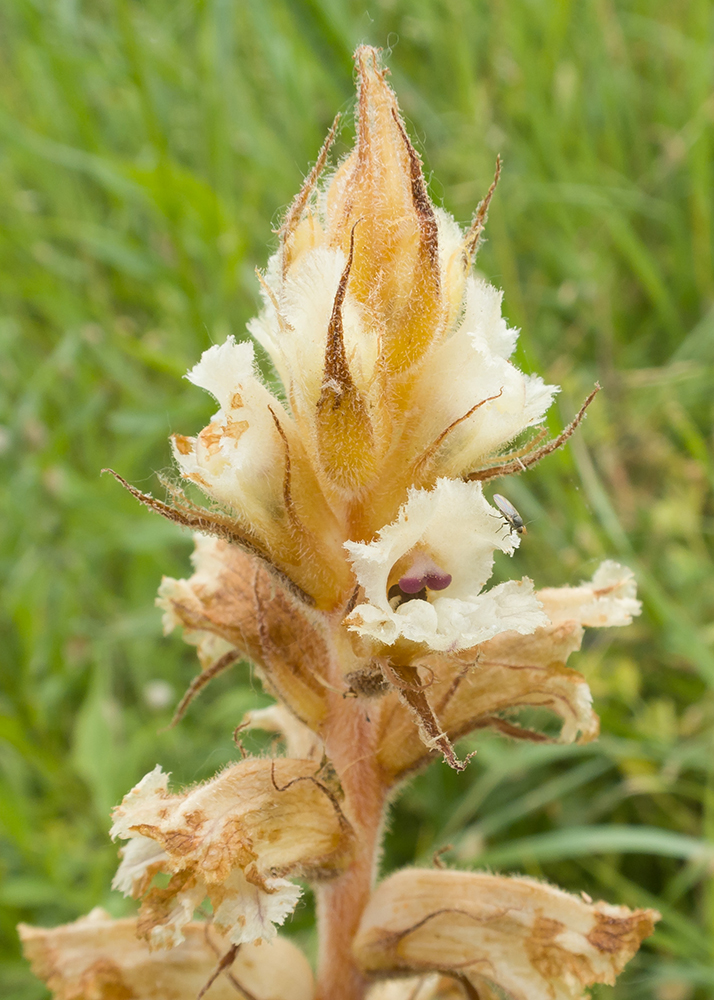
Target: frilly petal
<point>608,599</point>
<point>238,458</point>
<point>457,531</point>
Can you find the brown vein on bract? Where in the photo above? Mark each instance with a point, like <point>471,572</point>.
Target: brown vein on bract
<point>300,201</point>
<point>453,688</point>
<point>229,975</point>
<point>337,373</point>
<point>394,937</point>
<point>287,494</point>
<point>199,683</point>
<point>520,465</point>
<point>473,237</point>
<point>433,448</point>
<point>342,821</point>
<point>209,523</point>
<point>420,200</point>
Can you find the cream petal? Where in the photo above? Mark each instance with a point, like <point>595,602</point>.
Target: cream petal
<point>469,368</point>
<point>238,459</point>
<point>608,599</point>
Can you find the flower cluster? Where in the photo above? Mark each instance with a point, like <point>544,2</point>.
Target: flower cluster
<point>346,549</point>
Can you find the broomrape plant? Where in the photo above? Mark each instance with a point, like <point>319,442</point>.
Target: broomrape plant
<point>346,550</point>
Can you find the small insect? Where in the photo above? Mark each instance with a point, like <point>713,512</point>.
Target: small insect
<point>514,519</point>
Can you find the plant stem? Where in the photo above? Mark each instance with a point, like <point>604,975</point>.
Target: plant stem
<point>349,743</point>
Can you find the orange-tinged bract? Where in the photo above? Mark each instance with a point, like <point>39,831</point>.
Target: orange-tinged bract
<point>346,550</point>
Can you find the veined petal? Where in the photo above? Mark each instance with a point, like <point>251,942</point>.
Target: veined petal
<point>230,839</point>
<point>103,959</point>
<point>443,542</point>
<point>528,939</point>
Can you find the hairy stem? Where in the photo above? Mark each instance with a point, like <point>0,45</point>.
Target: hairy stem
<point>349,742</point>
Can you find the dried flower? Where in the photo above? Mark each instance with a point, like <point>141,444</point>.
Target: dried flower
<point>526,938</point>
<point>97,958</point>
<point>346,551</point>
<point>229,840</point>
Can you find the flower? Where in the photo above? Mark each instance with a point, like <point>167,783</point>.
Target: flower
<point>485,686</point>
<point>528,939</point>
<point>424,574</point>
<point>230,839</point>
<point>103,959</point>
<point>238,458</point>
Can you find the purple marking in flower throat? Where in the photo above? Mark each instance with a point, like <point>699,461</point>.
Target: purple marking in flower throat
<point>424,573</point>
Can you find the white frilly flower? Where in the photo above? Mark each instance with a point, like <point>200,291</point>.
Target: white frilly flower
<point>423,575</point>
<point>239,458</point>
<point>471,367</point>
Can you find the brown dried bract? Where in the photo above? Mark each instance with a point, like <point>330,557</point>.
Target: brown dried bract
<point>473,690</point>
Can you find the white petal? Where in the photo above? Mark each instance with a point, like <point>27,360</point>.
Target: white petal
<point>472,367</point>
<point>250,913</point>
<point>137,856</point>
<point>140,801</point>
<point>239,458</point>
<point>223,368</point>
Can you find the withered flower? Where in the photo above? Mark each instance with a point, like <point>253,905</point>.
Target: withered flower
<point>346,549</point>
<point>98,958</point>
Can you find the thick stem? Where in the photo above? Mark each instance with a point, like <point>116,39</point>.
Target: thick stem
<point>349,742</point>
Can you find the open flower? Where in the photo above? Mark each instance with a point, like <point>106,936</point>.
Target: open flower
<point>471,393</point>
<point>424,574</point>
<point>486,686</point>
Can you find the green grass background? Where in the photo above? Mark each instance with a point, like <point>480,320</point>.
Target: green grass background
<point>147,150</point>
